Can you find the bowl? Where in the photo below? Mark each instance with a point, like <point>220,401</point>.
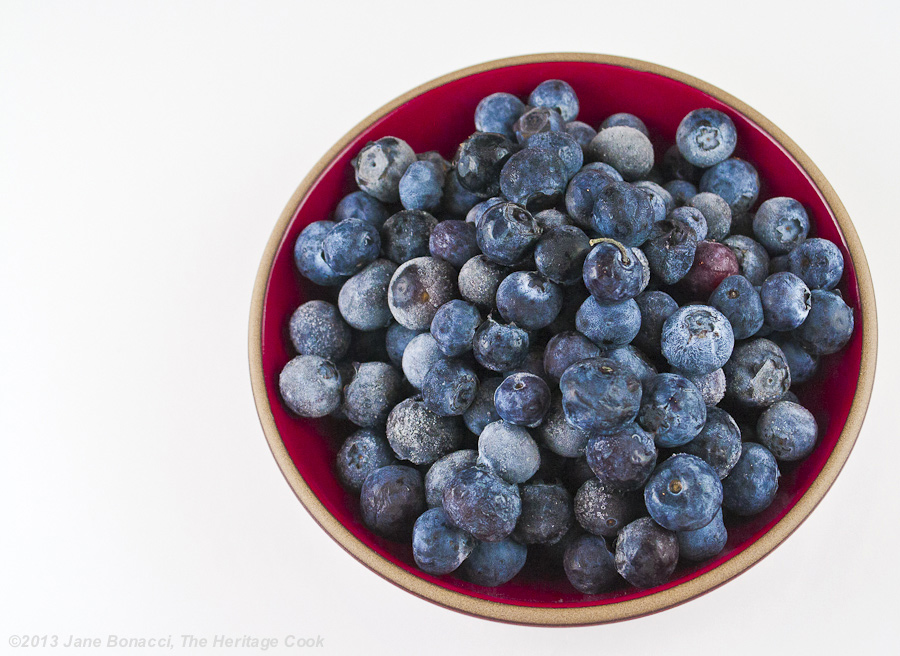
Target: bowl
<point>305,449</point>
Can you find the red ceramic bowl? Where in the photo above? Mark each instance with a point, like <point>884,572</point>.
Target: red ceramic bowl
<point>438,116</point>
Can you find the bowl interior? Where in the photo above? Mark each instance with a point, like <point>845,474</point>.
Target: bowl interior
<point>440,119</point>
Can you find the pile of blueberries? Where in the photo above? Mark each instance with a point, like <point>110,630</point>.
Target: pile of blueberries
<point>535,341</point>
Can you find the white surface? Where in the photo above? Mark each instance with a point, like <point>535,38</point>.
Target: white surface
<point>146,150</point>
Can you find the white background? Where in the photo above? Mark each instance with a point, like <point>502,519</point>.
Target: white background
<point>146,150</point>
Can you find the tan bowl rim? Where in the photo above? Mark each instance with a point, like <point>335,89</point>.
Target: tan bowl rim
<point>618,610</point>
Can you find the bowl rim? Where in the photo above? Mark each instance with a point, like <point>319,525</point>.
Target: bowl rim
<point>616,611</point>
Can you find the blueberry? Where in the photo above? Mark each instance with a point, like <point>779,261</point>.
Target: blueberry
<point>443,471</point>
<point>522,399</point>
<point>534,178</point>
<point>481,503</point>
<point>609,326</point>
<point>509,451</point>
<point>309,258</point>
<point>604,168</point>
<point>803,366</point>
<point>558,435</point>
<point>449,388</point>
<point>818,262</point>
<point>558,95</point>
<point>626,119</point>
<point>781,224</point>
<point>350,245</point>
<point>560,252</point>
<point>434,157</point>
<point>564,145</point>
<point>683,494</point>
<point>646,553</point>
<point>498,113</point>
<point>438,546</point>
<point>697,339</point>
<point>310,386</point>
<point>457,200</point>
<point>507,233</point>
<point>675,167</point>
<point>655,308</point>
<point>786,301</point>
<point>479,279</point>
<point>420,355</point>
<point>589,565</point>
<point>681,191</point>
<point>453,241</point>
<point>371,393</point>
<point>482,411</point>
<point>474,215</point>
<point>738,300</point>
<point>601,511</point>
<point>546,513</point>
<point>670,250</point>
<point>500,347</point>
<point>752,258</point>
<point>565,349</point>
<point>757,374</point>
<point>624,459</point>
<point>693,217</point>
<point>716,212</point>
<point>635,361</point>
<point>532,364</point>
<point>711,385</point>
<point>713,262</point>
<point>535,120</point>
<point>719,443</point>
<point>453,327</point>
<point>528,300</point>
<point>612,273</point>
<point>363,300</point>
<point>788,430</point>
<point>654,189</point>
<point>600,395</point>
<point>416,434</point>
<point>582,194</point>
<point>406,234</point>
<point>581,132</point>
<point>735,180</point>
<point>479,160</point>
<point>422,187</point>
<point>661,201</point>
<point>704,542</point>
<point>626,149</point>
<point>548,219</point>
<point>623,212</point>
<point>380,165</point>
<point>672,410</point>
<point>494,563</point>
<point>391,499</point>
<point>706,137</point>
<point>751,486</point>
<point>418,288</point>
<point>397,339</point>
<point>362,206</point>
<point>362,453</point>
<point>316,328</point>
